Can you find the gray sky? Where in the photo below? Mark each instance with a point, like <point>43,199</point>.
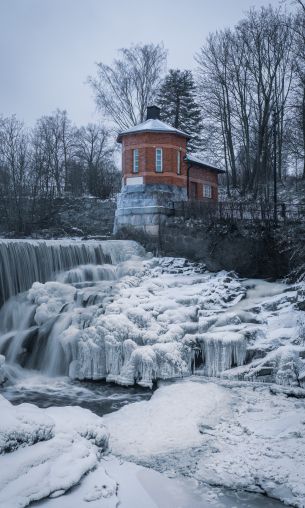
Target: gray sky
<point>49,47</point>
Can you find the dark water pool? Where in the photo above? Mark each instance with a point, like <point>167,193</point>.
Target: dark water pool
<point>100,397</point>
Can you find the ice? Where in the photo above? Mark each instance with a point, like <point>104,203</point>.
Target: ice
<point>146,319</point>
<point>3,375</point>
<point>50,299</point>
<point>221,350</point>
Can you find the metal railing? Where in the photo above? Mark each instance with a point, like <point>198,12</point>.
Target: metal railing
<point>234,212</point>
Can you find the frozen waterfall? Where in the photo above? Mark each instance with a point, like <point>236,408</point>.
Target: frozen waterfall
<point>108,312</point>
<point>23,262</point>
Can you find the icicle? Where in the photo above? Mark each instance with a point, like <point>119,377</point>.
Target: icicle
<point>221,351</point>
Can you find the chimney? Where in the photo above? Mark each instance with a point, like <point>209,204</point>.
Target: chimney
<point>153,113</point>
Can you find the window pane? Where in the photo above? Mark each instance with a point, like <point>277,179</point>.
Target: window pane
<point>159,160</point>
<point>135,161</point>
<point>207,191</point>
<point>178,163</point>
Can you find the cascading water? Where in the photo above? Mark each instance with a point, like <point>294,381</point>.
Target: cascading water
<point>31,328</point>
<point>110,314</point>
<point>100,311</point>
<point>81,324</point>
<point>23,262</point>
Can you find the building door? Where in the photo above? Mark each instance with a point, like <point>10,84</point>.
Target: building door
<point>193,190</point>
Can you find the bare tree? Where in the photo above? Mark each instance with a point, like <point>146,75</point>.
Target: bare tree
<point>124,90</point>
<point>95,153</point>
<point>14,160</point>
<point>55,135</point>
<point>297,103</point>
<point>244,74</point>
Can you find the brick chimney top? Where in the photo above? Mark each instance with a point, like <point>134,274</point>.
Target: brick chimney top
<point>153,113</point>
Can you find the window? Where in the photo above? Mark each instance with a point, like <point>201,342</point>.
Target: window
<point>135,167</point>
<point>178,163</point>
<point>159,160</point>
<point>207,191</point>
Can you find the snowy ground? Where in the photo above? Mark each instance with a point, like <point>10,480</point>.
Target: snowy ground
<point>140,321</point>
<point>241,437</point>
<point>200,435</point>
<point>50,450</point>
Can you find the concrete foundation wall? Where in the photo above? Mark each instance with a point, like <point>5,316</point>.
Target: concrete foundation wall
<point>250,251</point>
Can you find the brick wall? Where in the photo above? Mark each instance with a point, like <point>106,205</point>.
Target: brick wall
<point>201,177</point>
<point>146,143</point>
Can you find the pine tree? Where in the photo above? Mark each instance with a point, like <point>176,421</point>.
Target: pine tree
<point>177,101</point>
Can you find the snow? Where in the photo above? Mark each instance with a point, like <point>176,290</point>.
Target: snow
<point>261,448</point>
<point>238,436</point>
<point>56,448</point>
<point>168,422</point>
<point>22,425</point>
<point>119,483</point>
<point>69,469</point>
<point>198,160</point>
<point>152,125</point>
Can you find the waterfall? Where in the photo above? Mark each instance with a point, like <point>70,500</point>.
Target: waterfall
<point>100,310</point>
<point>23,262</point>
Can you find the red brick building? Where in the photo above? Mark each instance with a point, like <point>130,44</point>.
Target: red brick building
<point>154,153</point>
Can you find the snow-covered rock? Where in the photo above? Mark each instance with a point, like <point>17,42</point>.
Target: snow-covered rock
<point>22,425</point>
<point>170,422</point>
<point>65,443</point>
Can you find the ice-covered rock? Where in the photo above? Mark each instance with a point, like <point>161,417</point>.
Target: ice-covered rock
<point>3,375</point>
<point>50,298</point>
<point>160,318</point>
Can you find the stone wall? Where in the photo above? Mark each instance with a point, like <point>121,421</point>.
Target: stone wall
<point>70,216</point>
<point>251,251</point>
<point>92,216</point>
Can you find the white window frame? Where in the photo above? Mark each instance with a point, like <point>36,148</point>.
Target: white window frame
<point>135,160</point>
<point>159,160</point>
<point>178,162</point>
<point>207,190</point>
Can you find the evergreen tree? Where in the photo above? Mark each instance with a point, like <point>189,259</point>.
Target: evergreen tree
<point>177,100</point>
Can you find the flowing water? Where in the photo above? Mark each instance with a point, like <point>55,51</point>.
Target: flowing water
<point>23,262</point>
<point>36,369</point>
<point>38,365</point>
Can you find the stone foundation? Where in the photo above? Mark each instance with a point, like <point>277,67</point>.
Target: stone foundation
<point>146,207</point>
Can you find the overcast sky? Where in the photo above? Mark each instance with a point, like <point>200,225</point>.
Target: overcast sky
<point>49,47</point>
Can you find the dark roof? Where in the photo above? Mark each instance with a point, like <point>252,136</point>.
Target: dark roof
<point>152,125</point>
<point>202,164</point>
